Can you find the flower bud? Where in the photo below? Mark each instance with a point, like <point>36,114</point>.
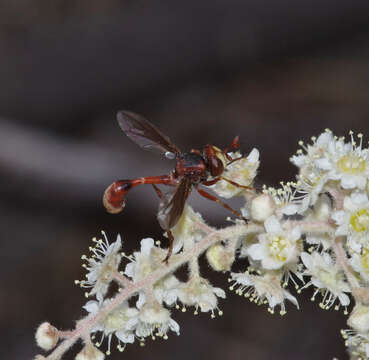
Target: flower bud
<point>89,352</point>
<point>359,318</point>
<point>47,336</point>
<point>154,314</point>
<point>262,207</point>
<point>219,258</point>
<point>323,208</point>
<point>361,294</point>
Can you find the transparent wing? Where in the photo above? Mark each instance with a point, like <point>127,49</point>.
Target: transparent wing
<point>145,134</point>
<point>170,210</point>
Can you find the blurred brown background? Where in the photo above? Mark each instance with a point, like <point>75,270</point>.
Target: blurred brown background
<point>272,72</point>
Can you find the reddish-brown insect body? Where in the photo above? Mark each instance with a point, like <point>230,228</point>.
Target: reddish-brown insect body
<point>192,169</point>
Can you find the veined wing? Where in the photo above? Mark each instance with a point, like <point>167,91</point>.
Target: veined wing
<point>145,134</point>
<point>171,211</point>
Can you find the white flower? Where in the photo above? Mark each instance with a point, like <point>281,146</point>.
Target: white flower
<point>198,292</point>
<point>360,263</point>
<point>277,247</point>
<point>154,320</point>
<point>241,171</point>
<point>89,352</point>
<point>346,162</point>
<point>314,152</point>
<point>263,289</point>
<point>101,266</point>
<point>286,200</point>
<point>327,277</point>
<point>357,343</point>
<point>359,318</point>
<point>186,228</point>
<point>119,322</point>
<point>143,263</point>
<point>353,220</point>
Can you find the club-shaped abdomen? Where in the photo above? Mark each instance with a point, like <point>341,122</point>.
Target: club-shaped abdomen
<point>114,194</point>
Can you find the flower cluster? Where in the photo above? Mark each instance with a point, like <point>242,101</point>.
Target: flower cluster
<point>310,233</point>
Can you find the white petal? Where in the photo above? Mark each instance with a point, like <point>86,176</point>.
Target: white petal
<point>141,300</point>
<point>323,164</point>
<point>256,251</point>
<point>324,139</point>
<point>339,217</point>
<point>327,259</point>
<point>125,337</point>
<point>91,306</point>
<point>291,298</point>
<point>307,260</point>
<point>131,323</point>
<point>359,199</point>
<point>367,350</point>
<point>344,299</point>
<point>171,297</point>
<point>272,225</point>
<point>270,263</point>
<point>146,245</point>
<point>253,156</point>
<point>242,278</point>
<point>342,230</point>
<point>348,182</point>
<point>129,270</point>
<point>290,209</point>
<point>295,233</point>
<point>219,292</point>
<point>174,326</point>
<point>298,160</point>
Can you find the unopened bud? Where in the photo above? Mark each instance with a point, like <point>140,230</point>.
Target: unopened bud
<point>361,294</point>
<point>47,336</point>
<point>219,258</point>
<point>262,207</point>
<point>359,318</point>
<point>322,208</point>
<point>90,352</point>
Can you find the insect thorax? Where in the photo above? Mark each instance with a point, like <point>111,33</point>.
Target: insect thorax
<point>190,163</point>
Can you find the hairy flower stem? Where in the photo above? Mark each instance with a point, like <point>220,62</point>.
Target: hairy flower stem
<point>84,326</point>
<point>319,227</point>
<point>342,261</point>
<point>122,280</point>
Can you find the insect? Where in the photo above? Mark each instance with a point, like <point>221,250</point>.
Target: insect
<point>192,169</point>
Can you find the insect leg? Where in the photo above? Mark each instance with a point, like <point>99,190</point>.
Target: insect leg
<point>237,184</point>
<point>114,196</point>
<point>214,181</point>
<point>235,145</point>
<point>220,202</point>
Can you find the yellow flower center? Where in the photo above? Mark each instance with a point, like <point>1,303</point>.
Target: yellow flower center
<point>329,278</point>
<point>278,247</point>
<point>360,220</point>
<point>351,164</point>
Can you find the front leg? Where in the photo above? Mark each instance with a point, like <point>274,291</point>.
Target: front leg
<point>208,196</point>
